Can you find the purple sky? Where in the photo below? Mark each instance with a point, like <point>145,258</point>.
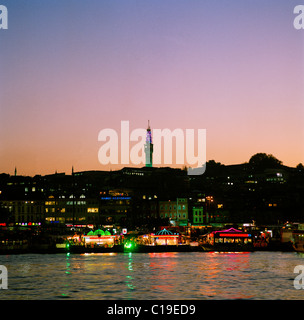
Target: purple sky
<point>72,68</point>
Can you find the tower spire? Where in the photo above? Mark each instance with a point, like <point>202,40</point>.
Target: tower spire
<point>149,146</point>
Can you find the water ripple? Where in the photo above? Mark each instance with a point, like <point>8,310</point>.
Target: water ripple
<point>258,275</point>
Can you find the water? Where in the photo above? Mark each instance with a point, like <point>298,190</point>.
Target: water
<point>257,275</point>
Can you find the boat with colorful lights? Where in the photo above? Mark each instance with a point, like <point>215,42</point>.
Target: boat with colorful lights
<point>161,241</point>
<point>229,240</point>
<point>100,241</point>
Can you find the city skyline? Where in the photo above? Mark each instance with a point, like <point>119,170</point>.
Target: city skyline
<point>273,164</point>
<point>70,70</point>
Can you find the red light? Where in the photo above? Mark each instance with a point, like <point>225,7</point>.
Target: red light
<point>242,235</point>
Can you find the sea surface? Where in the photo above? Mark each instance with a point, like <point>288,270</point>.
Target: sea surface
<point>153,276</point>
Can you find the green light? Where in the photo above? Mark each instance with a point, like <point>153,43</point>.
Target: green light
<point>128,245</point>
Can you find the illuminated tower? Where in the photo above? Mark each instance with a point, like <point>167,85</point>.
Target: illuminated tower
<point>149,147</point>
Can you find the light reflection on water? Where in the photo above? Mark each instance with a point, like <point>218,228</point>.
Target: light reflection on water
<point>258,275</point>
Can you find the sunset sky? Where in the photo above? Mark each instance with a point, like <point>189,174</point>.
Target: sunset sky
<point>71,68</point>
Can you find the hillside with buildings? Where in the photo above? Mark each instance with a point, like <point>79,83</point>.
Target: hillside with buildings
<point>262,190</point>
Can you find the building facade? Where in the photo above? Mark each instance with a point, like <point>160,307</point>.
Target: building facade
<point>175,210</point>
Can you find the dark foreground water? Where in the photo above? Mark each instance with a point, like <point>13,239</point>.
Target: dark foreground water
<point>258,275</point>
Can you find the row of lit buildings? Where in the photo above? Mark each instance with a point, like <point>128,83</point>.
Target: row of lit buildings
<point>115,207</point>
<point>151,196</point>
<point>146,197</point>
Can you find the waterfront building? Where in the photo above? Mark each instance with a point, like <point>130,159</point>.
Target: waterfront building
<point>74,210</point>
<point>25,212</point>
<point>110,207</point>
<point>176,210</point>
<point>115,206</point>
<point>198,216</point>
<point>197,206</point>
<point>22,199</point>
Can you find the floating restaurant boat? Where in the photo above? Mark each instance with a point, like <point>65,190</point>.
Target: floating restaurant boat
<point>162,241</point>
<point>230,240</point>
<point>98,241</point>
<point>165,237</point>
<point>99,238</point>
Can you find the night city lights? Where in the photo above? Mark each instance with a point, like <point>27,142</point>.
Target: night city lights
<point>151,157</point>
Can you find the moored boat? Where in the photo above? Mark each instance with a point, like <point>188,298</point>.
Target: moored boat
<point>229,240</point>
<point>161,241</point>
